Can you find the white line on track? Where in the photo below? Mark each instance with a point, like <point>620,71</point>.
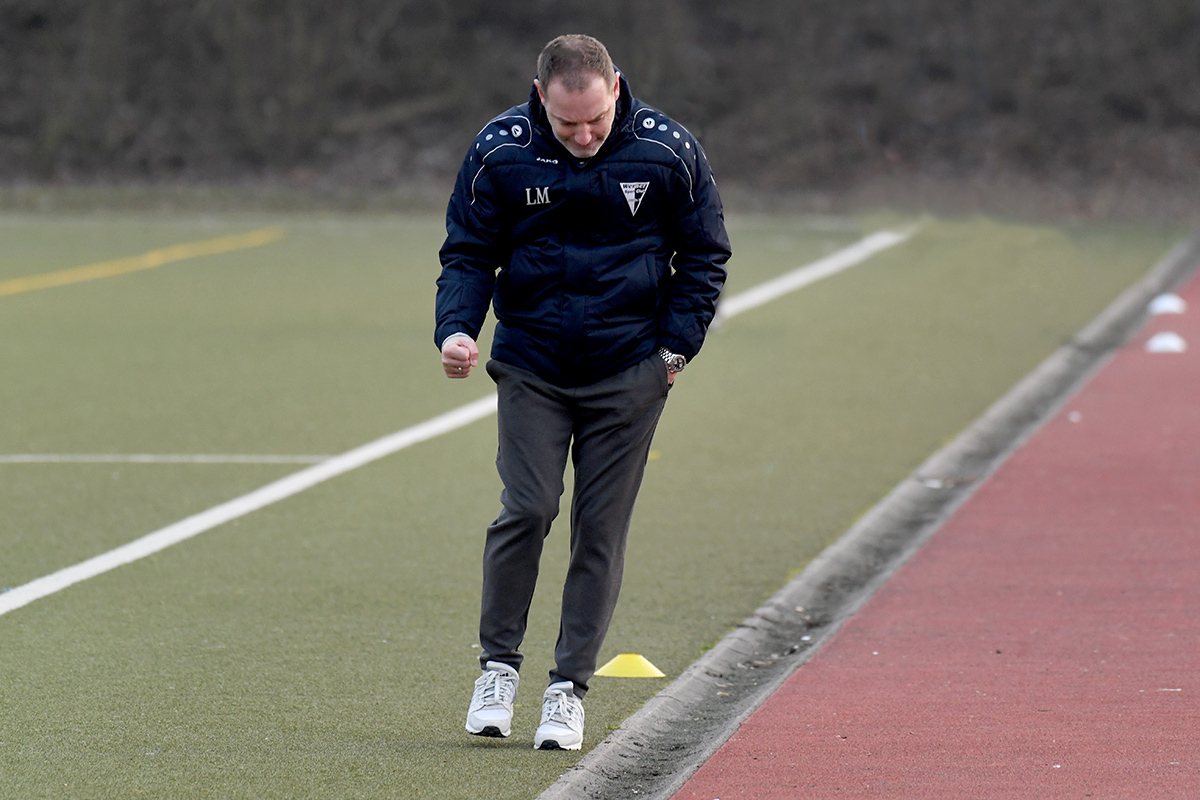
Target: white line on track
<point>154,458</point>
<point>373,451</point>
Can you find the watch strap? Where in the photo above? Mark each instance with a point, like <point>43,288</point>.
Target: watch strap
<point>674,361</point>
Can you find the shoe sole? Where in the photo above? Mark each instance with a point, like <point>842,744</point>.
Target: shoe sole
<point>551,744</point>
<point>490,731</point>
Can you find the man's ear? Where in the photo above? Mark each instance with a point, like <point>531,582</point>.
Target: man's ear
<point>541,95</point>
<point>616,86</point>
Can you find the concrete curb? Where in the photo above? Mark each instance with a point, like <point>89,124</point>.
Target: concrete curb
<point>660,746</point>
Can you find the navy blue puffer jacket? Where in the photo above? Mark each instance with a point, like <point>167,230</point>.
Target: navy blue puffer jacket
<point>589,265</point>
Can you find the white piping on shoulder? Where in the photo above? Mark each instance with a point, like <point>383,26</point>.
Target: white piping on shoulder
<point>637,124</point>
<point>483,160</point>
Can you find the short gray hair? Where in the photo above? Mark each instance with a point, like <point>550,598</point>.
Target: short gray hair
<point>575,59</point>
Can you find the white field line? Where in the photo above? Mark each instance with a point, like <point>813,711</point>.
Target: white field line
<point>239,507</point>
<point>831,264</point>
<point>153,458</point>
<point>337,465</point>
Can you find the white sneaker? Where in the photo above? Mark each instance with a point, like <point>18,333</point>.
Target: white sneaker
<point>492,703</point>
<point>562,719</point>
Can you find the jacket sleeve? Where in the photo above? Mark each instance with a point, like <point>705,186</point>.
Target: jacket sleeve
<point>472,252</point>
<point>701,248</point>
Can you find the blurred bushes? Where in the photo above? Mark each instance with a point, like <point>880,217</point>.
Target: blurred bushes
<point>782,92</point>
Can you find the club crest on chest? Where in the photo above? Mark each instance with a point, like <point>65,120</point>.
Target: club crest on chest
<point>634,193</point>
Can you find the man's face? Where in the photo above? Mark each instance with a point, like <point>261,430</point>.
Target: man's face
<point>581,120</point>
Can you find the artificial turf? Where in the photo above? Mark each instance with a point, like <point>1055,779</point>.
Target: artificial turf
<point>324,646</point>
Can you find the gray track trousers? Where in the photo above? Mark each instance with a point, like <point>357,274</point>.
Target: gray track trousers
<point>607,428</point>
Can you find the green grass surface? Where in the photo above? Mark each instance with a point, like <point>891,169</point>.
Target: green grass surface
<point>325,646</point>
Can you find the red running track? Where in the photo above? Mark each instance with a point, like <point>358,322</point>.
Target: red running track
<point>1044,643</point>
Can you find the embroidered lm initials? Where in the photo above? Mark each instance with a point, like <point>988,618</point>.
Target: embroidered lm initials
<point>539,196</point>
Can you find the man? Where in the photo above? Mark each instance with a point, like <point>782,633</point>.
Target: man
<point>592,226</point>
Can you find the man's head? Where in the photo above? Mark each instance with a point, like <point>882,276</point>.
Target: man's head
<point>578,87</point>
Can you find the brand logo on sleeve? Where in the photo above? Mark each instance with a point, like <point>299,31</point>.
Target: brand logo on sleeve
<point>537,196</point>
<point>634,192</point>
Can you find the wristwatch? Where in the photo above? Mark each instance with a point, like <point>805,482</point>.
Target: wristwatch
<point>674,361</point>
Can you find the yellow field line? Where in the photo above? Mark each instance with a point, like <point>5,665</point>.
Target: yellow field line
<point>149,260</point>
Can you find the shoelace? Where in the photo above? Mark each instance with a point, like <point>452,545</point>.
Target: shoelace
<point>557,707</point>
<point>496,689</point>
